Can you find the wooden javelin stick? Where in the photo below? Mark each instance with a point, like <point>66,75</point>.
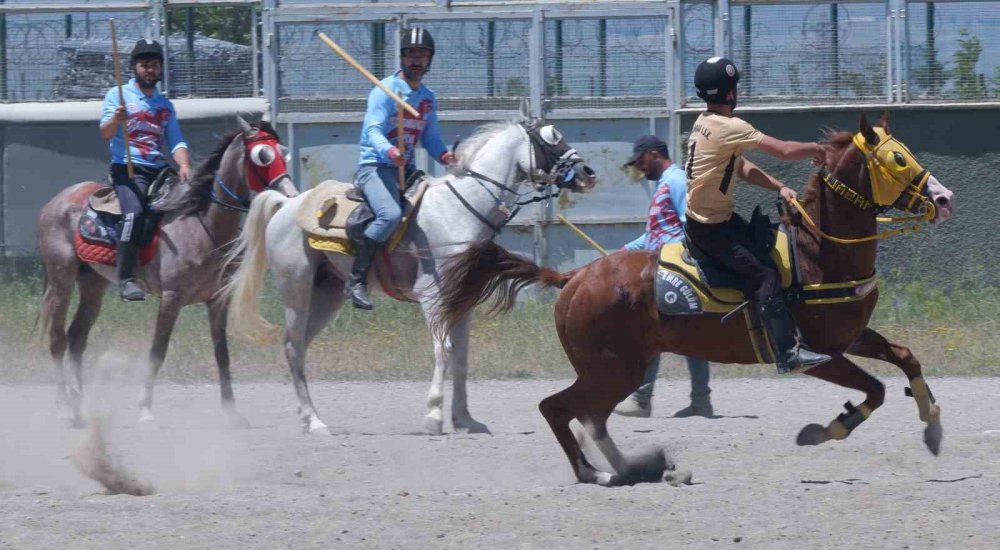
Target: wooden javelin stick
<point>582,235</point>
<point>400,139</point>
<point>121,97</point>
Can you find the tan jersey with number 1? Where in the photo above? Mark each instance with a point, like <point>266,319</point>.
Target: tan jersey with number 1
<point>715,154</point>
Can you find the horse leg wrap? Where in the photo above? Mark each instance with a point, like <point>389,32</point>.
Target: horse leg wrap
<point>919,391</point>
<point>845,423</point>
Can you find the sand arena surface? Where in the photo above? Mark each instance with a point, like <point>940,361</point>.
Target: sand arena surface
<point>381,485</point>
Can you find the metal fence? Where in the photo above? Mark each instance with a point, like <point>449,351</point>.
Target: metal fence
<point>558,54</point>
<point>52,51</point>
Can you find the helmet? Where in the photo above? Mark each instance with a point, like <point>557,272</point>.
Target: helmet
<point>715,78</point>
<point>415,37</point>
<point>147,48</point>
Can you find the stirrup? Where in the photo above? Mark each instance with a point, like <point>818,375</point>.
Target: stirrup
<point>800,360</point>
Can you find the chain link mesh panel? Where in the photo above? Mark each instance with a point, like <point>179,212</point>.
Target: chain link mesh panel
<point>698,35</point>
<point>49,57</point>
<point>954,51</point>
<point>201,66</point>
<point>605,63</point>
<point>818,52</point>
<point>314,79</point>
<point>479,65</point>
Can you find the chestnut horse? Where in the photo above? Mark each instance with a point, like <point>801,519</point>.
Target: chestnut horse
<point>609,325</point>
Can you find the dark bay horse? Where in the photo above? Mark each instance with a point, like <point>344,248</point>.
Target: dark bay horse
<point>609,325</point>
<point>199,219</point>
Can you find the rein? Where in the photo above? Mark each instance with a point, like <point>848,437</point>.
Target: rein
<point>561,164</point>
<point>244,204</point>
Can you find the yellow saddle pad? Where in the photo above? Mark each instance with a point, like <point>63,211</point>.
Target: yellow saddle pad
<point>683,287</point>
<point>324,212</point>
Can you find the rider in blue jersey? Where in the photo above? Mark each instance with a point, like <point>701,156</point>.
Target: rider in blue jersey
<point>152,123</point>
<point>378,168</point>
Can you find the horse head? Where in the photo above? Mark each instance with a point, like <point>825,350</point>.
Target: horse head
<point>888,174</point>
<point>552,161</point>
<point>265,159</point>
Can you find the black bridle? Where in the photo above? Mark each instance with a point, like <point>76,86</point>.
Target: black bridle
<point>552,168</point>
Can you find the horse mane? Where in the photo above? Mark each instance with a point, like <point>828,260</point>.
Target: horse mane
<point>197,193</point>
<point>468,149</point>
<point>836,139</point>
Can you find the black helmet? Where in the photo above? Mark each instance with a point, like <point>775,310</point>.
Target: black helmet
<point>147,48</point>
<point>715,78</point>
<point>416,37</point>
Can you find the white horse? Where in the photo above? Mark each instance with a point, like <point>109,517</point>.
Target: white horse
<point>470,204</point>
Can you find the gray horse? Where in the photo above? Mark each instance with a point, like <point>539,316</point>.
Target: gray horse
<point>468,205</point>
<point>199,218</point>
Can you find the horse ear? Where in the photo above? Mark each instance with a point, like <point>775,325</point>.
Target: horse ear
<point>884,122</point>
<point>525,112</point>
<point>866,130</point>
<point>244,125</point>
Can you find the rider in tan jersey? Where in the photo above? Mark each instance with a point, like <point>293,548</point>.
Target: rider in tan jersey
<point>715,157</point>
<point>715,163</point>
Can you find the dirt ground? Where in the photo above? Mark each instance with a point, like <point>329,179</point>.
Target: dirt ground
<point>382,485</point>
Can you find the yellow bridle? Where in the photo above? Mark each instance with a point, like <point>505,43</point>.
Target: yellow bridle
<point>893,170</point>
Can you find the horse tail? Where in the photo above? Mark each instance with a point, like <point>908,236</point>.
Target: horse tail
<point>483,272</point>
<point>249,253</point>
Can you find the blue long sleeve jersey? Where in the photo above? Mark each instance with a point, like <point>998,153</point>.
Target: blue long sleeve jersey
<point>152,122</point>
<point>378,134</point>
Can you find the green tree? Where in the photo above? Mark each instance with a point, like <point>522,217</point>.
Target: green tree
<point>968,83</point>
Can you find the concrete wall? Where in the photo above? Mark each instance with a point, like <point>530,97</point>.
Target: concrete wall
<point>959,146</point>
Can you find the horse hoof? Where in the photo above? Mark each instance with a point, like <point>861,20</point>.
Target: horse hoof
<point>678,478</point>
<point>605,479</point>
<point>146,417</point>
<point>933,434</point>
<point>433,424</point>
<point>470,426</point>
<point>812,434</point>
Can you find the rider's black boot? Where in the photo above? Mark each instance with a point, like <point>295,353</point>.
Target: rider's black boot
<point>128,287</point>
<point>791,356</point>
<point>357,284</point>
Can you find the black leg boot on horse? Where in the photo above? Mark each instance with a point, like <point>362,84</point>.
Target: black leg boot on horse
<point>357,284</point>
<point>128,252</point>
<point>790,354</point>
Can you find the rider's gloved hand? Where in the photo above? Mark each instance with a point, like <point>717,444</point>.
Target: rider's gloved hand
<point>396,157</point>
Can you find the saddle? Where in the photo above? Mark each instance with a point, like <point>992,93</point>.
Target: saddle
<point>96,236</point>
<point>688,282</point>
<point>334,214</point>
